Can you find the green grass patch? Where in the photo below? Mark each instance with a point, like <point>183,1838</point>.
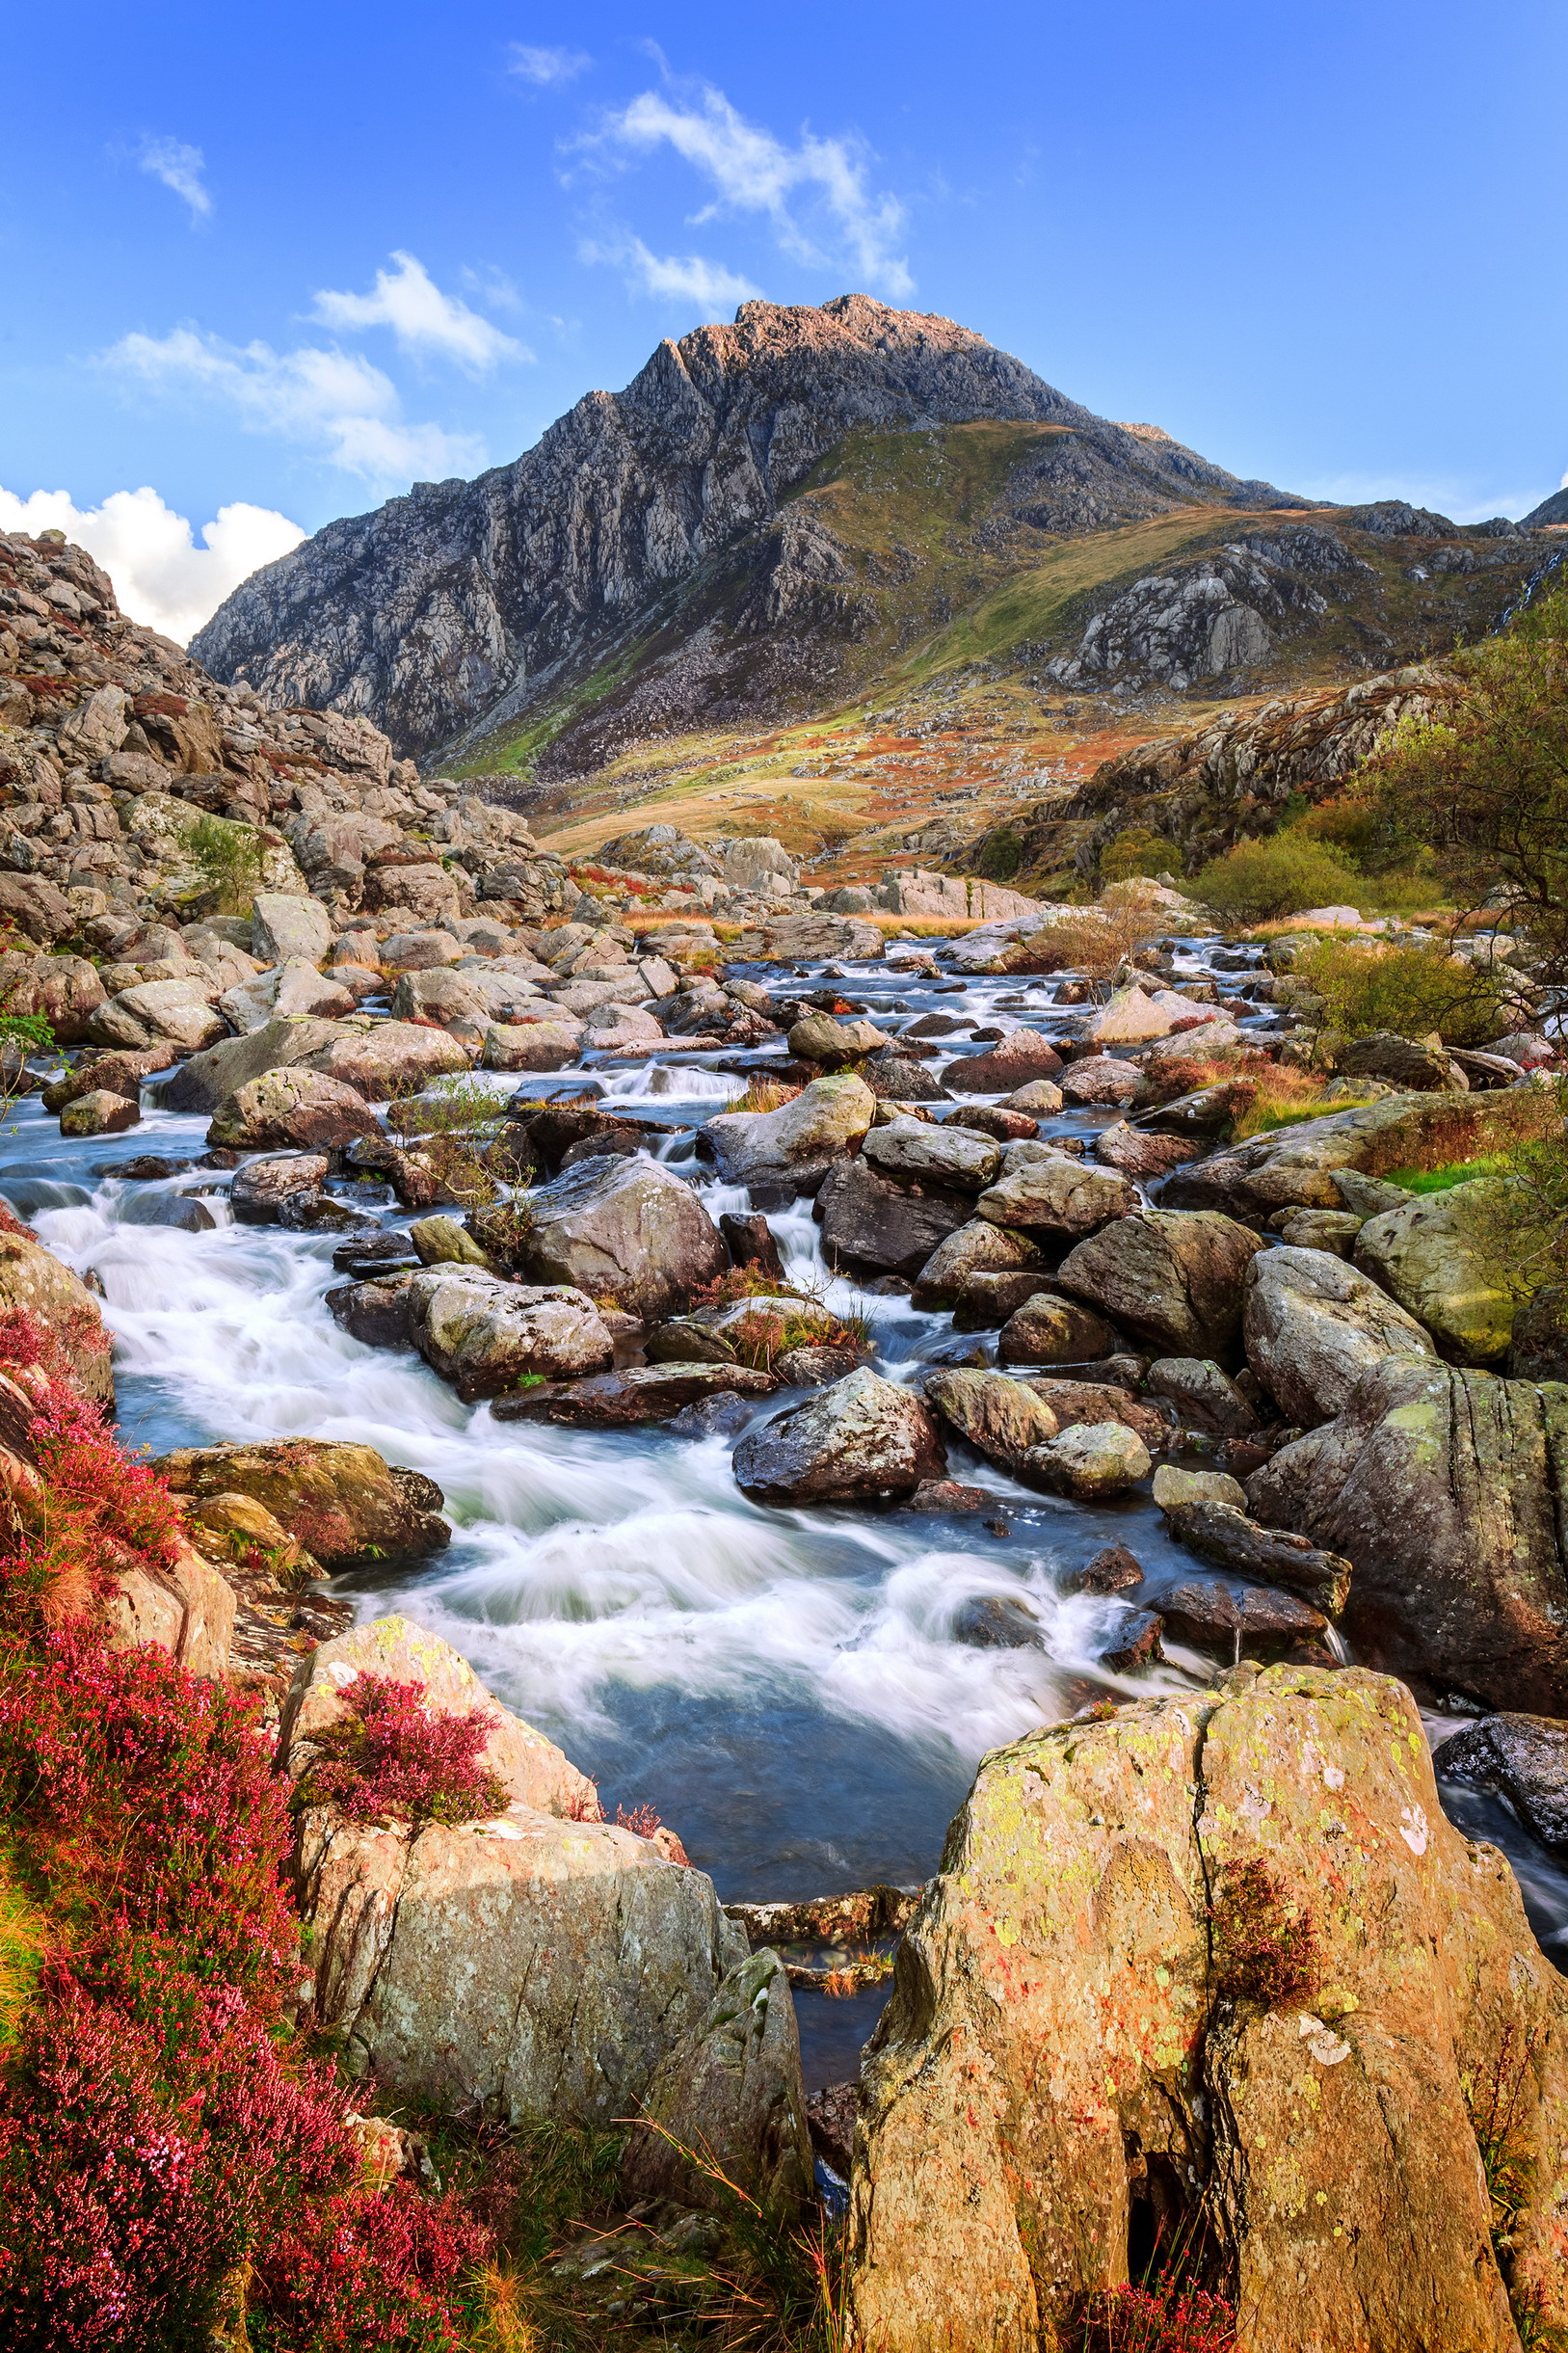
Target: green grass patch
<point>1453,1172</point>
<point>23,1937</point>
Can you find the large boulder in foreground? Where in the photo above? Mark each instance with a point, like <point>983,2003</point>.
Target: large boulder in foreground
<point>343,1502</point>
<point>626,1231</point>
<point>1314,1326</point>
<point>483,1333</point>
<point>37,1285</point>
<point>1094,2026</point>
<point>1443,1490</point>
<point>860,1439</point>
<point>790,1150</point>
<point>1171,1280</point>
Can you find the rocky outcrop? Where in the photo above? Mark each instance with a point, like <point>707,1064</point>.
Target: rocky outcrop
<point>1441,1257</point>
<point>627,1232</point>
<point>344,1503</point>
<point>860,1440</point>
<point>40,1289</point>
<point>790,1150</point>
<point>1443,1490</point>
<point>1087,2037</point>
<point>1314,1326</point>
<point>1296,1166</point>
<point>1172,1280</point>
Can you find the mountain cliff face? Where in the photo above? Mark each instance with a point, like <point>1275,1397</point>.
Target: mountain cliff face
<point>653,538</point>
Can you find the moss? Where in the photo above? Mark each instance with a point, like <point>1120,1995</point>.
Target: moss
<point>24,1938</point>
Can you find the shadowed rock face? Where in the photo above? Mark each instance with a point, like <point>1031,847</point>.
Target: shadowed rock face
<point>458,602</point>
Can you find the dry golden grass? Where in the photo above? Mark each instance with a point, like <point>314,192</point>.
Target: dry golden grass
<point>766,1095</point>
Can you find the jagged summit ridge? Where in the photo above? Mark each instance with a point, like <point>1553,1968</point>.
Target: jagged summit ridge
<point>464,602</point>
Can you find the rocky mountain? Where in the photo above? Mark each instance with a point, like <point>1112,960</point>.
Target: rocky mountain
<point>655,548</point>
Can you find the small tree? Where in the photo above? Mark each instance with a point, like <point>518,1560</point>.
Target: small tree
<point>1258,882</point>
<point>1409,989</point>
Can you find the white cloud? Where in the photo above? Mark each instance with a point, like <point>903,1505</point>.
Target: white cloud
<point>752,171</point>
<point>331,401</point>
<point>161,576</point>
<point>547,67</point>
<point>706,286</point>
<point>1461,501</point>
<point>178,167</point>
<point>421,318</point>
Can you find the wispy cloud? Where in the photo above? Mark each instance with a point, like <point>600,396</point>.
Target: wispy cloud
<point>816,195</point>
<point>686,278</point>
<point>421,318</point>
<point>333,402</point>
<point>180,167</point>
<point>546,68</point>
<point>1461,500</point>
<point>161,576</point>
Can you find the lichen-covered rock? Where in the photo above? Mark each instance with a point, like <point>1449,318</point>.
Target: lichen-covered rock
<point>343,1502</point>
<point>1314,1325</point>
<point>1048,1329</point>
<point>292,1107</point>
<point>1087,1461</point>
<point>483,1333</point>
<point>627,1231</point>
<point>1172,1280</point>
<point>870,1220</point>
<point>178,1010</point>
<point>99,1113</point>
<point>1070,2037</point>
<point>942,1155</point>
<point>860,1439</point>
<point>1022,1055</point>
<point>284,927</point>
<point>264,1186</point>
<point>1296,1166</point>
<point>1001,1418</point>
<point>36,1284</point>
<point>207,1078</point>
<point>643,1393</point>
<point>977,1247</point>
<point>390,1058</point>
<point>1440,1257</point>
<point>187,1609</point>
<point>66,990</point>
<point>1057,1195</point>
<point>1443,1489</point>
<point>793,1147</point>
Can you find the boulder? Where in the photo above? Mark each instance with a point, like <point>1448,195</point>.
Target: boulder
<point>99,1113</point>
<point>624,1030</point>
<point>1203,1397</point>
<point>809,939</point>
<point>988,1301</point>
<point>299,991</point>
<point>121,1074</point>
<point>64,990</point>
<point>1073,1401</point>
<point>1522,1759</point>
<point>642,1393</point>
<point>757,863</point>
<point>898,1077</point>
<point>873,1220</point>
<point>187,1609</point>
<point>1298,1166</point>
<point>626,1231</point>
<point>1112,1570</point>
<point>37,1285</point>
<point>1538,1346</point>
<point>1314,1326</point>
<point>730,2090</point>
<point>35,908</point>
<point>442,1242</point>
<point>995,1621</point>
<point>860,1439</point>
<point>1237,1621</point>
<point>1174,1281</point>
<point>791,1149</point>
<point>1100,1079</point>
<point>1037,1099</point>
<point>1087,1461</point>
<point>1003,1069</point>
<point>1132,1016</point>
<point>536,1045</point>
<point>1333,1230</point>
<point>942,1155</point>
<point>261,1188</point>
<point>1442,1488</point>
<point>995,1120</point>
<point>375,1311</point>
<point>284,928</point>
<point>975,1247</point>
<point>1048,1329</point>
<point>1399,1061</point>
<point>292,1107</point>
<point>1001,1418</point>
<point>1057,1195</point>
<point>446,999</point>
<point>1441,1258</point>
<point>1075,2052</point>
<point>1173,1488</point>
<point>816,1038</point>
<point>344,1503</point>
<point>207,1078</point>
<point>178,1010</point>
<point>813,1367</point>
<point>389,1058</point>
<point>1140,1156</point>
<point>1220,1530</point>
<point>483,1333</point>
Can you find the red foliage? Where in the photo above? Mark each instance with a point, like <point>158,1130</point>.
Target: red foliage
<point>1265,1944</point>
<point>10,1223</point>
<point>102,1511</point>
<point>359,2271</point>
<point>642,1819</point>
<point>392,1757</point>
<point>159,705</point>
<point>1165,2318</point>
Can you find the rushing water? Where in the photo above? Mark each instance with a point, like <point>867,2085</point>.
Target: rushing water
<point>783,1686</point>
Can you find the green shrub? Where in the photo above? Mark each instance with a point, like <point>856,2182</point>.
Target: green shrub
<point>1258,882</point>
<point>231,860</point>
<point>1368,988</point>
<point>1137,851</point>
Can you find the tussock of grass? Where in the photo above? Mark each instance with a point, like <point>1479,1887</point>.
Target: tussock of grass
<point>1444,1179</point>
<point>766,1095</point>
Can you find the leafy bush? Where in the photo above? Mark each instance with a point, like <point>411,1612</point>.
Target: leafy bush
<point>1519,1216</point>
<point>1410,990</point>
<point>231,860</point>
<point>1258,882</point>
<point>1266,1947</point>
<point>1094,941</point>
<point>456,1125</point>
<point>390,1757</point>
<point>1136,850</point>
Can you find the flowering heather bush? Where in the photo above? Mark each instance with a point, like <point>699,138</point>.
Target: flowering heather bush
<point>100,1513</point>
<point>1265,1949</point>
<point>390,2271</point>
<point>392,1757</point>
<point>1164,2319</point>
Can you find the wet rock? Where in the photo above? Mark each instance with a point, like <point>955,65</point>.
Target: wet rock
<point>1236,1621</point>
<point>120,1074</point>
<point>1538,1346</point>
<point>1100,1080</point>
<point>1136,1642</point>
<point>951,1495</point>
<point>1112,1570</point>
<point>1001,1418</point>
<point>1140,1156</point>
<point>262,1185</point>
<point>1314,1326</point>
<point>813,1367</point>
<point>344,1503</point>
<point>1087,1461</point>
<point>1221,1531</point>
<point>1172,1280</point>
<point>898,1077</point>
<point>794,1146</point>
<point>99,1113</point>
<point>1522,1759</point>
<point>730,2088</point>
<point>685,1341</point>
<point>750,1241</point>
<point>860,1440</point>
<point>627,1232</point>
<point>1011,1063</point>
<point>375,1311</point>
<point>1057,1197</point>
<point>1203,1397</point>
<point>1095,1401</point>
<point>282,926</point>
<point>642,1393</point>
<point>978,1246</point>
<point>719,1416</point>
<point>484,1333</point>
<point>873,1220</point>
<point>1441,1487</point>
<point>292,1107</point>
<point>1050,1330</point>
<point>998,1621</point>
<point>988,1301</point>
<point>997,1120</point>
<point>176,1211</point>
<point>941,1156</point>
<point>1174,1487</point>
<point>1439,1258</point>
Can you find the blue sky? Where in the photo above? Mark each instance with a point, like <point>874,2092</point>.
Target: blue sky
<point>262,267</point>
